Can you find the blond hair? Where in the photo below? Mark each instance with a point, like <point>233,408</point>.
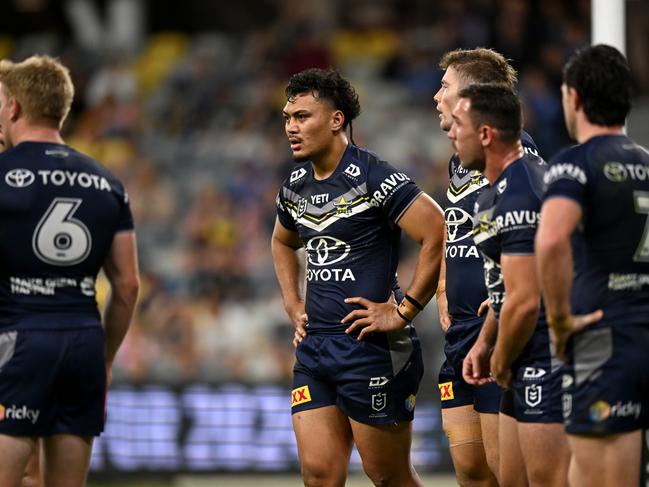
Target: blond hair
<point>41,85</point>
<point>480,65</point>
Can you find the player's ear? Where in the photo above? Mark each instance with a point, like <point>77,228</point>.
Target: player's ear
<point>14,109</point>
<point>573,98</point>
<point>337,120</point>
<point>485,132</point>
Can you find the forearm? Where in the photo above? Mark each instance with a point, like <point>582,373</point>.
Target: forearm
<point>287,270</point>
<point>518,319</point>
<point>489,331</point>
<point>555,269</point>
<point>117,319</point>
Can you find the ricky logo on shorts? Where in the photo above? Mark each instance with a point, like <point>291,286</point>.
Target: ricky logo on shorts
<point>300,395</point>
<point>19,413</point>
<point>601,410</point>
<point>446,391</point>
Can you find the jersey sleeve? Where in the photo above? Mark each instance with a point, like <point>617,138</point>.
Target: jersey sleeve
<point>283,214</point>
<point>567,176</point>
<point>391,190</point>
<point>519,223</point>
<point>125,220</point>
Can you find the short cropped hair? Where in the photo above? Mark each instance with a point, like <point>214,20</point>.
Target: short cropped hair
<point>480,65</point>
<point>41,85</point>
<point>495,105</point>
<point>601,76</point>
<point>326,84</point>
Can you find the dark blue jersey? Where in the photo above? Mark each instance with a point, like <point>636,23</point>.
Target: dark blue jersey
<point>608,176</point>
<point>464,269</point>
<point>59,212</point>
<point>348,224</point>
<point>506,218</point>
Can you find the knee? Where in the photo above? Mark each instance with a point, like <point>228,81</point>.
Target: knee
<point>472,473</point>
<point>316,473</point>
<point>387,476</point>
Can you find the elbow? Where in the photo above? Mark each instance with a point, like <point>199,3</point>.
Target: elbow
<point>550,244</point>
<point>128,289</point>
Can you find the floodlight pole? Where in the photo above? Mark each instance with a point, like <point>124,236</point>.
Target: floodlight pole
<point>608,23</point>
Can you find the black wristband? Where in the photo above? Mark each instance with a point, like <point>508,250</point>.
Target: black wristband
<point>414,302</point>
<point>403,317</point>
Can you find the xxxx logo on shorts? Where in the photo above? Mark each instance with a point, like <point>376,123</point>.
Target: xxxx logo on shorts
<point>446,390</point>
<point>300,395</point>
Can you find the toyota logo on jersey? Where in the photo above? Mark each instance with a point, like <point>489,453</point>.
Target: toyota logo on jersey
<point>455,218</point>
<point>19,178</point>
<point>326,250</point>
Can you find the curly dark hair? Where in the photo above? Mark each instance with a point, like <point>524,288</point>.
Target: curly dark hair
<point>602,78</point>
<point>326,84</point>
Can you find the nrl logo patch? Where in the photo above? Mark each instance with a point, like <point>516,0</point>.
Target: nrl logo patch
<point>379,401</point>
<point>301,207</point>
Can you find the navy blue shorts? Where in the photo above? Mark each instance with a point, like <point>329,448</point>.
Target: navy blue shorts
<point>606,381</point>
<point>536,382</point>
<point>52,382</point>
<point>373,381</point>
<point>454,391</point>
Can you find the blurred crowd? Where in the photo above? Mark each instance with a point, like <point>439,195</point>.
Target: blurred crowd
<point>190,120</point>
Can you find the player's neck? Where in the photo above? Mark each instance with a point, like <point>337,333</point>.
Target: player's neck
<point>587,131</point>
<point>499,157</point>
<point>37,133</point>
<point>326,163</point>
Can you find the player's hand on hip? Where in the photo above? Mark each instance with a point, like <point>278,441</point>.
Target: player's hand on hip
<point>442,308</point>
<point>476,367</point>
<point>299,319</point>
<point>381,317</point>
<point>562,330</point>
<point>484,307</point>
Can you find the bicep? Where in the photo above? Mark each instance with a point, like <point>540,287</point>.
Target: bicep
<point>121,262</point>
<point>423,220</point>
<point>284,236</point>
<point>559,218</point>
<point>519,276</point>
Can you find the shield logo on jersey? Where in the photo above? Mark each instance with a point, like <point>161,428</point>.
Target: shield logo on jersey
<point>19,178</point>
<point>533,395</point>
<point>301,207</point>
<point>379,401</point>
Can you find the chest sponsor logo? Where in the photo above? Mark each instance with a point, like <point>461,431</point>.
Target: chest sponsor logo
<point>446,391</point>
<point>19,178</point>
<point>533,395</point>
<point>297,175</point>
<point>300,395</point>
<point>456,217</point>
<point>323,251</point>
<point>353,170</point>
<point>319,199</point>
<point>379,401</point>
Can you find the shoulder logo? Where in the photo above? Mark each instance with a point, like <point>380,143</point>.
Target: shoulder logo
<point>353,170</point>
<point>297,174</point>
<point>502,185</point>
<point>19,178</point>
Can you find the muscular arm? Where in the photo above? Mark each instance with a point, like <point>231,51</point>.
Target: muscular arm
<point>559,218</point>
<point>284,246</point>
<point>423,221</point>
<point>121,269</point>
<point>442,299</point>
<point>519,314</point>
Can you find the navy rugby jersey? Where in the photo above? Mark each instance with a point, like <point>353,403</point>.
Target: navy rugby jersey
<point>465,288</point>
<point>505,221</point>
<point>608,176</point>
<point>59,211</point>
<point>347,224</point>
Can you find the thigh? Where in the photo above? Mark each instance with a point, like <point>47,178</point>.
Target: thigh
<point>67,459</point>
<point>545,452</point>
<point>14,455</point>
<point>384,448</point>
<point>324,438</point>
<point>607,460</point>
<point>511,469</point>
